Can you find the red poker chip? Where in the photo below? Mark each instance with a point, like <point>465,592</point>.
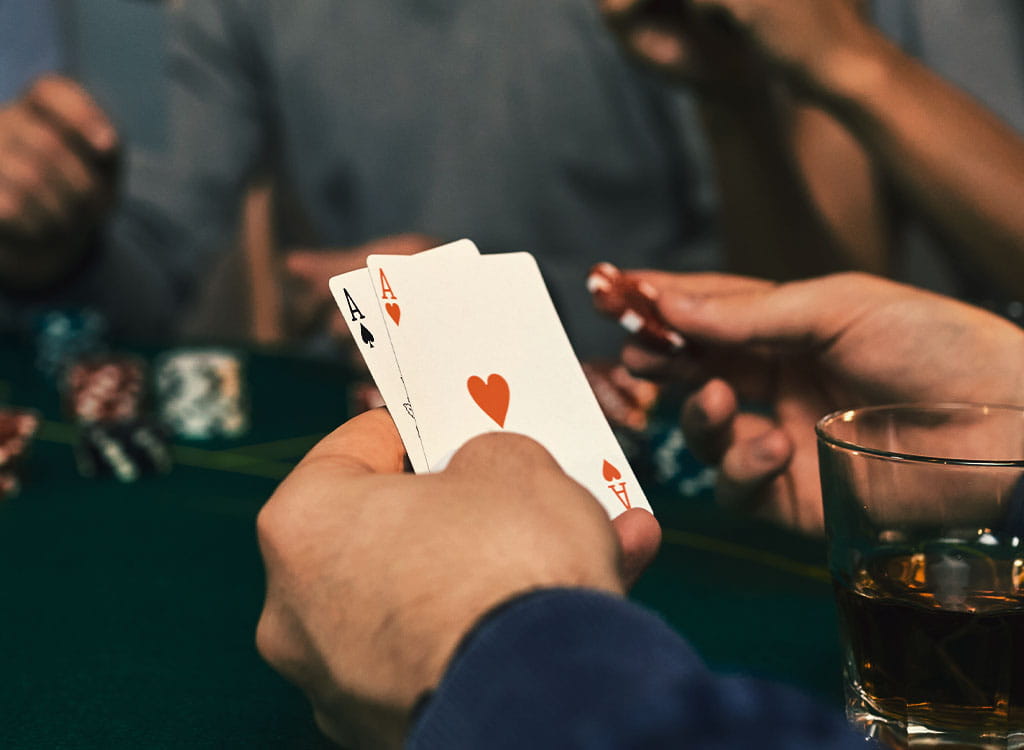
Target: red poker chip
<point>633,304</point>
<point>105,389</point>
<point>17,429</point>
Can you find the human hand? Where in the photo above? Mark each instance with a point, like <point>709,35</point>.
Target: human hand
<point>625,400</point>
<point>309,302</point>
<point>813,41</point>
<point>374,577</point>
<point>682,44</point>
<point>807,348</point>
<point>58,172</point>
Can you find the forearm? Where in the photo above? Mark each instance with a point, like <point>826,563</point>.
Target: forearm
<point>796,194</point>
<point>568,669</point>
<point>949,157</point>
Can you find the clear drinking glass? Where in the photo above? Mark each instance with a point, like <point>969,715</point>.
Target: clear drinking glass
<point>924,513</point>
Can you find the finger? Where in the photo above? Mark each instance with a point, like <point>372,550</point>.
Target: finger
<point>643,392</point>
<point>314,268</point>
<point>700,284</point>
<point>640,537</point>
<point>77,180</point>
<point>510,453</point>
<point>366,444</point>
<point>617,7</point>
<point>39,187</point>
<point>615,398</point>
<point>23,217</point>
<point>747,312</point>
<point>307,264</point>
<point>750,465</point>
<point>65,104</point>
<point>616,405</point>
<point>319,265</point>
<point>657,46</point>
<point>707,420</point>
<point>683,366</point>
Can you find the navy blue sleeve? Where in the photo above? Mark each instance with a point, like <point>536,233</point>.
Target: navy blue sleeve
<point>580,669</point>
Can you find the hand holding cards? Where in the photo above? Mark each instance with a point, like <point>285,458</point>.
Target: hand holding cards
<point>461,344</point>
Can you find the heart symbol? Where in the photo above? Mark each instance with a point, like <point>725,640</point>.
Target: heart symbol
<point>394,311</point>
<point>492,396</point>
<point>610,472</point>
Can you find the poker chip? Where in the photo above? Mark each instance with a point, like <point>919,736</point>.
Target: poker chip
<point>105,395</point>
<point>201,394</point>
<point>64,335</point>
<point>125,450</point>
<point>105,388</point>
<point>633,304</point>
<point>18,427</point>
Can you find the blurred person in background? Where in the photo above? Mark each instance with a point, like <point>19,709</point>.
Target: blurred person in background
<point>914,150</point>
<point>58,156</point>
<point>522,127</point>
<point>393,126</point>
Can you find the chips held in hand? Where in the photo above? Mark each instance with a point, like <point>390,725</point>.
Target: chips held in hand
<point>633,303</point>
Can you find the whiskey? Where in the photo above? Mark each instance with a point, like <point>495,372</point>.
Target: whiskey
<point>935,640</point>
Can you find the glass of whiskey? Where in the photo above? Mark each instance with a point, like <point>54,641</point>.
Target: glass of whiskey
<point>924,515</point>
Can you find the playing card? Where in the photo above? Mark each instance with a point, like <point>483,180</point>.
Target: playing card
<point>356,298</point>
<point>481,348</point>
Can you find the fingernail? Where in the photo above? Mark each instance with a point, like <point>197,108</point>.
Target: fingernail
<point>596,283</point>
<point>674,340</point>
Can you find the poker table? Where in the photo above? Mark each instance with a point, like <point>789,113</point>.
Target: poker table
<point>128,610</point>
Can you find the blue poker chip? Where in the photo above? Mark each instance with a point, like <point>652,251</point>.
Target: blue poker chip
<point>669,463</point>
<point>64,335</point>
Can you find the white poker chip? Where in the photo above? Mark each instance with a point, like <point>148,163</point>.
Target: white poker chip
<point>201,394</point>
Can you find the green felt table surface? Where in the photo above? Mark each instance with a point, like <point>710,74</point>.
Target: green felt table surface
<point>127,611</point>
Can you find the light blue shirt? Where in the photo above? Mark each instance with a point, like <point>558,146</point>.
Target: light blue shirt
<point>29,43</point>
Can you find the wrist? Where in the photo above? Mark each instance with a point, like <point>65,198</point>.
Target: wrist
<point>435,636</point>
<point>32,273</point>
<point>855,72</point>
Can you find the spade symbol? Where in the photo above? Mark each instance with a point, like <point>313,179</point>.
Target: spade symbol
<point>367,336</point>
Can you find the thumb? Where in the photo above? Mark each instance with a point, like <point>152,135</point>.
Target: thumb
<point>366,444</point>
<point>639,538</point>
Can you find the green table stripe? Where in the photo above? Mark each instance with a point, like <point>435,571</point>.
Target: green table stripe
<point>730,549</point>
<point>186,455</point>
<point>294,447</point>
<point>254,461</point>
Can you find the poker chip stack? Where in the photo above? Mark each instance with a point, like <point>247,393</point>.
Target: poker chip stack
<point>17,429</point>
<point>105,395</point>
<point>201,394</point>
<point>61,336</point>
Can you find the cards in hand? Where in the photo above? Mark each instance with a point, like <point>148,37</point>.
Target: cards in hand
<point>461,344</point>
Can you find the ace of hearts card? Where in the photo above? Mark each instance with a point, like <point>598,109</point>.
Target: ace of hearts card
<point>480,348</point>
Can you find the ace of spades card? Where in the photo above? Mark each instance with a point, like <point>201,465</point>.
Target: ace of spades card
<point>480,348</point>
<point>354,293</point>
